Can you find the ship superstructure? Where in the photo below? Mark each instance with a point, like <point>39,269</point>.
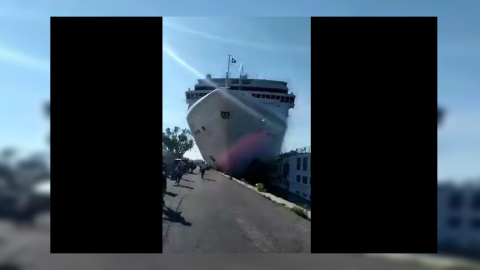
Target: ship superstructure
<point>236,121</point>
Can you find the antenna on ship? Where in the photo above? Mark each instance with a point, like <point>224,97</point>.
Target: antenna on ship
<point>228,70</point>
<point>240,78</point>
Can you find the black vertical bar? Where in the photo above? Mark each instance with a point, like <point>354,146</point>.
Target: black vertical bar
<point>106,88</point>
<point>374,85</point>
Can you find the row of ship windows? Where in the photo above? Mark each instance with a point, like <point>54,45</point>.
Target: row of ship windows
<point>283,99</point>
<point>195,95</point>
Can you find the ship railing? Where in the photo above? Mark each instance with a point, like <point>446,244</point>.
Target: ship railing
<point>302,150</point>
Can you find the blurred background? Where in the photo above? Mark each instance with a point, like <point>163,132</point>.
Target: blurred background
<point>25,96</point>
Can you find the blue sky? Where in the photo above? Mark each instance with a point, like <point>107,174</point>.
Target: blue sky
<point>24,58</point>
<point>271,48</point>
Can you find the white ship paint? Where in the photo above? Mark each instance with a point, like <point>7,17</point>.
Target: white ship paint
<point>232,126</point>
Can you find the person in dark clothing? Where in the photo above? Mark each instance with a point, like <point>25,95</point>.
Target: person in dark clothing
<point>24,209</point>
<point>164,181</point>
<point>193,167</point>
<point>180,171</point>
<point>203,167</point>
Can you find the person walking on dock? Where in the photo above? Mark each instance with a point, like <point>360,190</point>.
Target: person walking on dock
<point>180,171</point>
<point>164,181</point>
<point>203,167</point>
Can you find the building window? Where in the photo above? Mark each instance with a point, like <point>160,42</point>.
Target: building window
<point>282,99</point>
<point>305,180</point>
<point>299,164</point>
<point>455,201</point>
<point>453,222</point>
<point>298,178</point>
<point>277,97</point>
<point>286,169</point>
<point>310,196</point>
<point>263,96</point>
<point>476,201</point>
<point>305,163</point>
<point>475,223</point>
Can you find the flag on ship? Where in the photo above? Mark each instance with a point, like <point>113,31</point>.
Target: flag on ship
<point>234,61</point>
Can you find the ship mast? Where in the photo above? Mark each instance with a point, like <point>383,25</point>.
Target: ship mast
<point>240,78</point>
<point>228,71</point>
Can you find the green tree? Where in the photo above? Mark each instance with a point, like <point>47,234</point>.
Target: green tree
<point>7,154</point>
<point>177,141</point>
<point>33,168</point>
<point>7,172</point>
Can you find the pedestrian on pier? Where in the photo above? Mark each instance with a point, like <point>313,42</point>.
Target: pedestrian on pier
<point>180,171</point>
<point>164,181</point>
<point>203,167</point>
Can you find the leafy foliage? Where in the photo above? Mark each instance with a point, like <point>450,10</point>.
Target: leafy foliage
<point>177,140</point>
<point>22,171</point>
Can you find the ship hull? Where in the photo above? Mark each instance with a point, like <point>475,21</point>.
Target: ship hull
<point>233,130</point>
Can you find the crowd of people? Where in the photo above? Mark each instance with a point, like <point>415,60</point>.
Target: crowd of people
<point>184,166</point>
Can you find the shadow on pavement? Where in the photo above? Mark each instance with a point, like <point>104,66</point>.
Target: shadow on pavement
<point>188,180</point>
<point>171,194</point>
<point>173,216</point>
<point>209,179</point>
<point>11,266</point>
<point>183,186</point>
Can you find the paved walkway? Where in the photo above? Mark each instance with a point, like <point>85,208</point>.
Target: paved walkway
<point>212,215</point>
<point>217,215</point>
<point>271,196</point>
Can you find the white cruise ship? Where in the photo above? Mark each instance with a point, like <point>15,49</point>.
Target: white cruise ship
<point>237,121</point>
